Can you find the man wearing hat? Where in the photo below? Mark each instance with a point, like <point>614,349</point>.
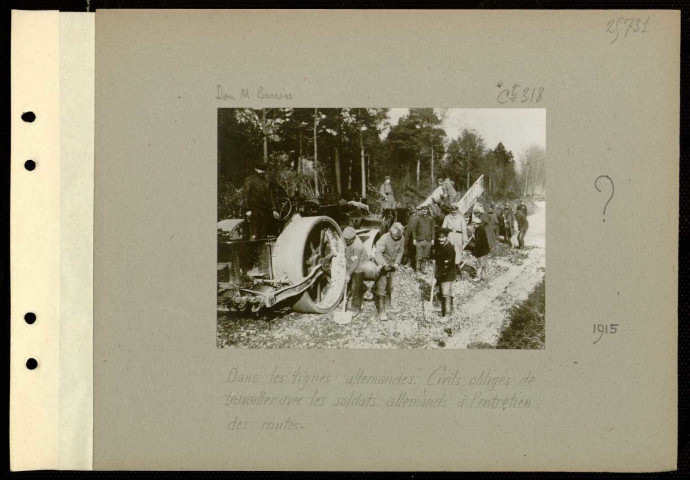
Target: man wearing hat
<point>409,244</point>
<point>446,272</point>
<point>492,217</point>
<point>523,225</point>
<point>356,257</point>
<point>422,237</point>
<point>258,202</point>
<point>484,242</point>
<point>387,255</point>
<point>386,195</point>
<point>457,231</point>
<point>522,207</point>
<point>507,222</point>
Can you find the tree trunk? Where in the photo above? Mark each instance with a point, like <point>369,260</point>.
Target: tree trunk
<point>419,168</point>
<point>316,153</point>
<point>265,134</point>
<point>336,165</point>
<point>363,166</point>
<point>299,159</point>
<point>349,174</point>
<point>433,180</point>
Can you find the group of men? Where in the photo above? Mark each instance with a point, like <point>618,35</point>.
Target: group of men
<point>425,242</point>
<point>422,240</point>
<point>502,221</point>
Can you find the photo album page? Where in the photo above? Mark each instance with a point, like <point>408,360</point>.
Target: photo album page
<point>382,195</point>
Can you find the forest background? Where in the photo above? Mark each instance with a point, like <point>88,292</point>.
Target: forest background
<point>345,153</point>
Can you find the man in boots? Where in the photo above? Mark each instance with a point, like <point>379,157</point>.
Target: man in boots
<point>409,238</point>
<point>523,225</point>
<point>446,272</point>
<point>259,202</point>
<point>388,255</point>
<point>422,237</point>
<point>355,256</point>
<point>508,223</point>
<point>457,231</point>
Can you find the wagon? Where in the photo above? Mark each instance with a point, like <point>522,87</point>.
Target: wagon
<point>302,267</point>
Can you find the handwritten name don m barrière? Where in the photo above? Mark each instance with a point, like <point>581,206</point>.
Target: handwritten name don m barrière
<point>260,93</point>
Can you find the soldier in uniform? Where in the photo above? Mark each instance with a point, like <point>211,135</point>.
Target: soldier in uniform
<point>484,243</point>
<point>523,225</point>
<point>507,223</point>
<point>409,244</point>
<point>387,199</point>
<point>388,254</point>
<point>259,202</point>
<point>492,217</point>
<point>422,237</point>
<point>446,272</point>
<point>457,231</point>
<point>522,207</point>
<point>356,258</point>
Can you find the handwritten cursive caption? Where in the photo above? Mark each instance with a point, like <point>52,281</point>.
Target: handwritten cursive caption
<point>519,94</point>
<point>260,93</point>
<point>605,329</point>
<point>626,26</point>
<point>443,387</point>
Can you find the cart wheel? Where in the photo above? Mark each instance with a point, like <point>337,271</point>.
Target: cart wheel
<point>322,244</point>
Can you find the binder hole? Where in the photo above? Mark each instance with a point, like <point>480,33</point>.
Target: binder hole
<point>29,165</point>
<point>31,364</point>
<point>30,318</point>
<point>28,117</point>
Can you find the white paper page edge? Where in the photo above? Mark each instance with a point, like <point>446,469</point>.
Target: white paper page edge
<point>75,404</point>
<point>51,251</point>
<point>35,240</point>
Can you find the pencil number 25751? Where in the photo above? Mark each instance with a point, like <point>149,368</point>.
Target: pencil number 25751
<point>625,26</point>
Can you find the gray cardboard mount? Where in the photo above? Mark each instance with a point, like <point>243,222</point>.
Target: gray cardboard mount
<point>160,388</point>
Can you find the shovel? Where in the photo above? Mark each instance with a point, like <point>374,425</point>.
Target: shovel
<point>343,317</point>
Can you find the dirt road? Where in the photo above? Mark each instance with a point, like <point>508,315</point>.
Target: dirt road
<point>480,309</point>
<point>485,312</point>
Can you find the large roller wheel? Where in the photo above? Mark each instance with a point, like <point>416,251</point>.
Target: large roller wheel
<point>303,244</point>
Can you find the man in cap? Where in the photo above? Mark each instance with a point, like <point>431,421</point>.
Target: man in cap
<point>449,192</point>
<point>484,243</point>
<point>258,202</point>
<point>422,237</point>
<point>386,195</point>
<point>507,222</point>
<point>457,231</point>
<point>522,207</point>
<point>355,256</point>
<point>387,255</point>
<point>446,272</point>
<point>409,244</point>
<point>492,217</point>
<point>523,225</point>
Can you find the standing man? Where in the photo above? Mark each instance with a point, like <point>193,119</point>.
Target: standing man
<point>484,242</point>
<point>409,244</point>
<point>259,202</point>
<point>508,222</point>
<point>449,192</point>
<point>523,225</point>
<point>457,231</point>
<point>388,254</point>
<point>446,271</point>
<point>386,196</point>
<point>355,256</point>
<point>422,237</point>
<point>492,217</point>
<point>522,207</point>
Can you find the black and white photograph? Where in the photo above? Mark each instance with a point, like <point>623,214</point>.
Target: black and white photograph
<point>381,228</point>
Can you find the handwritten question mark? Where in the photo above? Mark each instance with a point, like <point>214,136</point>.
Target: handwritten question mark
<point>599,190</point>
